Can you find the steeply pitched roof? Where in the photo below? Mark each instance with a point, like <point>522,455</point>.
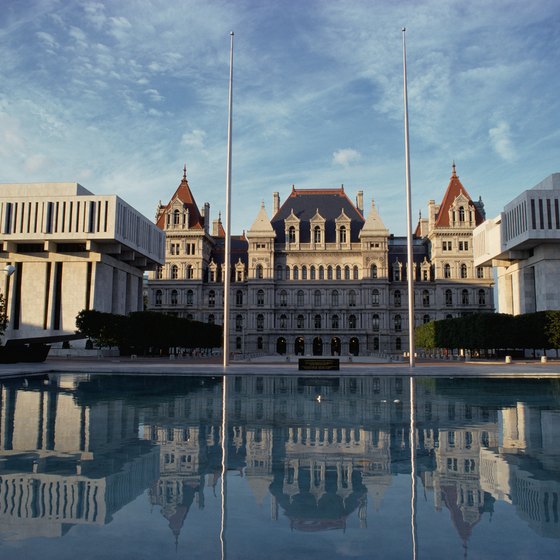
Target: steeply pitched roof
<point>306,202</point>
<point>184,194</point>
<point>454,189</point>
<point>261,225</point>
<point>374,224</point>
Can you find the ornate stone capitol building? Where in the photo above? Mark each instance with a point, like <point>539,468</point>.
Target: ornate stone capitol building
<point>323,275</point>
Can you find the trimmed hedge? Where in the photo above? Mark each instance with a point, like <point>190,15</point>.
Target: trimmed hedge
<point>147,331</point>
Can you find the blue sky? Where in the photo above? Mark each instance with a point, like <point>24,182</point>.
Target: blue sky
<point>118,95</point>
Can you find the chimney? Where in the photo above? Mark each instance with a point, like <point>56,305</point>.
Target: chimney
<point>275,203</point>
<point>206,216</point>
<point>360,201</point>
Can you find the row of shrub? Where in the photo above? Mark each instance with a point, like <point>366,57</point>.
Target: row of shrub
<point>147,332</point>
<point>484,331</point>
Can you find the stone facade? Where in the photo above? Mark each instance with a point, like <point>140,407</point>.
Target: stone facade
<point>523,244</point>
<point>70,250</point>
<point>322,276</point>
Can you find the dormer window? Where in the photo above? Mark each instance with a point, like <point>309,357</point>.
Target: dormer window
<point>292,234</point>
<point>317,234</point>
<point>343,234</point>
<point>461,214</point>
<point>176,218</point>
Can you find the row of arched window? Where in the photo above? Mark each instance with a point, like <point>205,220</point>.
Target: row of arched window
<point>175,272</point>
<point>320,272</point>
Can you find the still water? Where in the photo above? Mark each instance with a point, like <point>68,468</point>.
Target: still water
<point>333,467</point>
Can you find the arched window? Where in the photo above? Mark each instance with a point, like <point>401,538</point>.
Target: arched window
<point>278,272</point>
<point>260,343</point>
<point>425,298</point>
<point>174,272</point>
<point>375,322</point>
<point>334,298</point>
<point>190,298</point>
<point>338,273</point>
<point>461,214</point>
<point>398,323</point>
<point>343,234</point>
<point>292,234</point>
<point>190,317</point>
<point>260,322</point>
<point>373,271</point>
<point>317,321</point>
<point>159,297</point>
<point>356,273</point>
<point>352,322</point>
<point>329,273</point>
<point>300,322</point>
<point>295,273</point>
<point>479,272</point>
<point>317,234</point>
<point>304,272</point>
<point>463,270</point>
<point>300,298</point>
<point>398,343</point>
<point>446,271</point>
<point>283,298</point>
<point>481,297</point>
<point>260,298</point>
<point>321,273</point>
<point>375,297</point>
<point>334,322</point>
<point>317,298</point>
<point>174,297</point>
<point>352,298</point>
<point>376,343</point>
<point>159,272</point>
<point>287,273</point>
<point>283,321</point>
<point>397,298</point>
<point>238,343</point>
<point>465,297</point>
<point>238,323</point>
<point>211,298</point>
<point>239,298</point>
<point>346,272</point>
<point>176,217</point>
<point>190,272</point>
<point>426,319</point>
<point>312,273</point>
<point>259,271</point>
<point>448,297</point>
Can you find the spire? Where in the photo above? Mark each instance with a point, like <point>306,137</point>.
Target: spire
<point>454,173</point>
<point>185,172</point>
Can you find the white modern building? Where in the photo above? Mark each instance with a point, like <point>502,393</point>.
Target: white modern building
<point>64,249</point>
<point>523,244</point>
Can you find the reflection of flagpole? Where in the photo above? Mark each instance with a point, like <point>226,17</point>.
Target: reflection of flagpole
<point>410,260</point>
<point>224,467</point>
<point>413,467</point>
<point>227,251</point>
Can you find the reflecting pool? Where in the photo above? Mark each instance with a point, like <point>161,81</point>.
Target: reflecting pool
<point>95,466</point>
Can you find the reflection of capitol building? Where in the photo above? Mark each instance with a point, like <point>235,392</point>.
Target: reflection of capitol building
<point>319,451</point>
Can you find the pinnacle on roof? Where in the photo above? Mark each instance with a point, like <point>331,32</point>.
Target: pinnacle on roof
<point>262,224</point>
<point>374,224</point>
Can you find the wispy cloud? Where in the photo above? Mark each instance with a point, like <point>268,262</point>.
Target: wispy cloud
<point>346,156</point>
<point>500,138</point>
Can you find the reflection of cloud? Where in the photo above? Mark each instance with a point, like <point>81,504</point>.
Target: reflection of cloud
<point>501,141</point>
<point>346,156</point>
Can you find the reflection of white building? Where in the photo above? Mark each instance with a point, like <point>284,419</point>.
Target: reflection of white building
<point>71,250</point>
<point>523,244</point>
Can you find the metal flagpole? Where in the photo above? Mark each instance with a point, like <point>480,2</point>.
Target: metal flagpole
<point>227,251</point>
<point>410,260</point>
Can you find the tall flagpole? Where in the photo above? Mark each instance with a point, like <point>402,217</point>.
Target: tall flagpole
<point>410,260</point>
<point>227,251</point>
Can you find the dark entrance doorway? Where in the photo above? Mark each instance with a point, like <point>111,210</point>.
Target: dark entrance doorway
<point>299,346</point>
<point>281,345</point>
<point>317,346</point>
<point>335,346</point>
<point>354,346</point>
